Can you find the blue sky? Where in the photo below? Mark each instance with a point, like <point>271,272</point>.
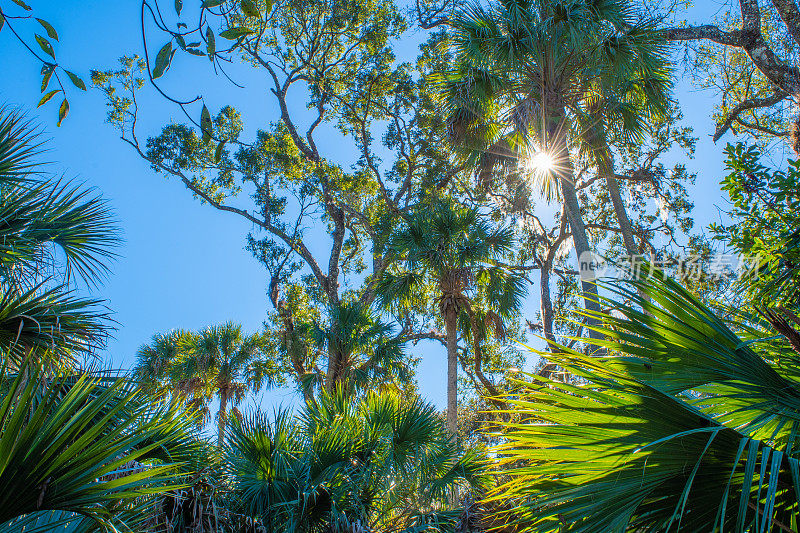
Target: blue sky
<point>182,264</point>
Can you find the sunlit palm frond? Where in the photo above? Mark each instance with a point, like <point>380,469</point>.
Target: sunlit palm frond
<point>682,425</point>
<point>20,144</point>
<point>85,445</point>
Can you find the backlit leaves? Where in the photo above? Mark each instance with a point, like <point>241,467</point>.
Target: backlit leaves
<point>63,110</point>
<point>211,45</point>
<point>249,8</point>
<point>205,124</point>
<point>45,45</point>
<point>51,31</point>
<point>76,80</point>
<point>163,60</point>
<point>47,97</point>
<point>235,33</point>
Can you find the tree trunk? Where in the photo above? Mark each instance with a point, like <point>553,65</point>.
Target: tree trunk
<point>222,416</point>
<point>451,327</point>
<point>581,243</point>
<point>605,166</point>
<point>557,144</point>
<point>547,310</point>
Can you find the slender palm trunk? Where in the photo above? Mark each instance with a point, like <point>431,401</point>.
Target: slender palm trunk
<point>605,165</point>
<point>451,327</point>
<point>581,243</point>
<point>222,417</point>
<point>566,175</point>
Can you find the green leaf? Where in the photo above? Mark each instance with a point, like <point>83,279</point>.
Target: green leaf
<point>46,98</point>
<point>62,112</point>
<point>2,21</point>
<point>23,5</point>
<point>181,42</point>
<point>250,9</point>
<point>178,6</point>
<point>195,51</point>
<point>268,5</point>
<point>45,45</point>
<point>218,151</point>
<point>212,3</point>
<point>76,80</point>
<point>211,45</point>
<point>47,73</point>
<point>234,33</point>
<point>162,60</point>
<point>205,124</point>
<point>51,31</point>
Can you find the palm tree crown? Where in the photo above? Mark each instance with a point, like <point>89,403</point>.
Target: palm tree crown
<point>452,252</point>
<point>532,75</point>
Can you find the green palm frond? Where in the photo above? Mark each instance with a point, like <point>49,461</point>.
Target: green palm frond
<point>50,324</point>
<point>683,425</point>
<point>85,445</point>
<point>379,460</point>
<point>44,223</point>
<point>20,144</point>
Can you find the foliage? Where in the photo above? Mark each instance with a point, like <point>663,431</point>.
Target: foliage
<point>340,59</point>
<point>192,368</point>
<point>689,422</point>
<point>44,53</point>
<point>765,225</point>
<point>367,355</point>
<point>51,234</point>
<point>90,445</point>
<point>381,462</point>
<point>449,253</point>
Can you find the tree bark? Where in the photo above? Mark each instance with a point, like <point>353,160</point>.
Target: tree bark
<point>222,417</point>
<point>451,327</point>
<point>557,145</point>
<point>605,165</point>
<point>581,243</point>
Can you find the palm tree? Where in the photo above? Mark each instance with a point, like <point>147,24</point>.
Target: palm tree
<point>520,88</point>
<point>222,361</point>
<point>50,234</point>
<point>689,423</point>
<point>362,351</point>
<point>154,362</point>
<point>452,251</point>
<point>378,462</point>
<point>89,449</point>
<point>78,449</point>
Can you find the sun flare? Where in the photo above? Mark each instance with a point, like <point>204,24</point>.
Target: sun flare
<point>540,162</point>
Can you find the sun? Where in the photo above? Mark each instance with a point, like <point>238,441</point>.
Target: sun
<point>540,162</point>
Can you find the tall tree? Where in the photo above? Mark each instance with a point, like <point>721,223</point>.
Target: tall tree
<point>339,57</point>
<point>452,252</point>
<point>224,362</point>
<point>519,87</point>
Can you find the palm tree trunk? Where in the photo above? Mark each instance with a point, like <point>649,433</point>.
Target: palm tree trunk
<point>605,165</point>
<point>566,174</point>
<point>581,243</point>
<point>451,328</point>
<point>222,416</point>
